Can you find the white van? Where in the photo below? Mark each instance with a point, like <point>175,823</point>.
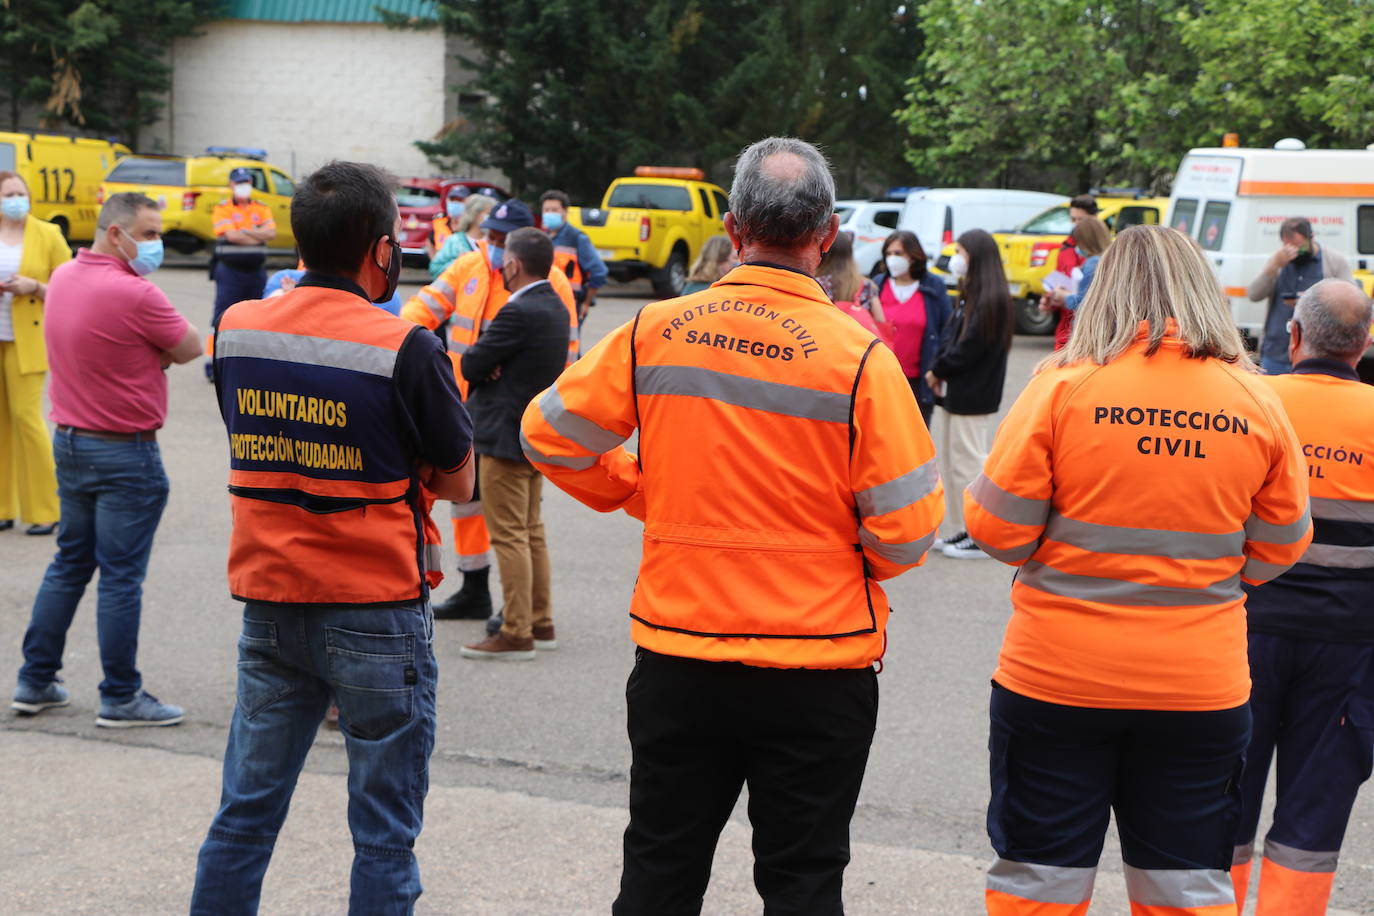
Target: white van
<point>871,221</point>
<point>938,216</point>
<point>1233,200</point>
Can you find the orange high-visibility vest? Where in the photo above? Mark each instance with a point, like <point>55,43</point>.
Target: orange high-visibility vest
<point>326,501</point>
<point>1135,497</point>
<point>440,229</point>
<point>565,260</point>
<point>470,293</point>
<point>783,470</point>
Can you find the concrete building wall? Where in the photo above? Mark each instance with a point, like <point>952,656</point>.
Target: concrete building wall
<point>310,92</point>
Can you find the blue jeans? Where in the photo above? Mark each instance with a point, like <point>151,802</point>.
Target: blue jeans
<point>112,495</point>
<point>378,665</point>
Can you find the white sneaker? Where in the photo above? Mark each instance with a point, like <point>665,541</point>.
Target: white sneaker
<point>940,543</point>
<point>964,549</point>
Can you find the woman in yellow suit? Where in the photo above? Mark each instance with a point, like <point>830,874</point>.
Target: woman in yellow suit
<point>30,249</point>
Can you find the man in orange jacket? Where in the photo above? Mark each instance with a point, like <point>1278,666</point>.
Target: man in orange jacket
<point>466,297</point>
<point>783,469</point>
<point>1311,632</point>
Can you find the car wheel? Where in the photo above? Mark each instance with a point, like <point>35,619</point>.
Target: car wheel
<point>669,280</point>
<point>1030,320</point>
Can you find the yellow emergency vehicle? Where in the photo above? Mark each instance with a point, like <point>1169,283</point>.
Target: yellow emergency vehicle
<point>188,187</point>
<point>653,224</point>
<point>63,175</point>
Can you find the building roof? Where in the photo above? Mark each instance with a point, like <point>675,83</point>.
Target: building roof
<point>327,10</point>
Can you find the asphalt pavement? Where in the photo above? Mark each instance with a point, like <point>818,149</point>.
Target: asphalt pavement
<point>529,777</point>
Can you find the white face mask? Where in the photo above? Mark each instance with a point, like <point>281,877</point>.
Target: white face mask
<point>958,266</point>
<point>897,265</point>
<point>243,190</point>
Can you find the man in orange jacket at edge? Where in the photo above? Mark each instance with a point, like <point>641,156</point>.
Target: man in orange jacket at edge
<point>783,469</point>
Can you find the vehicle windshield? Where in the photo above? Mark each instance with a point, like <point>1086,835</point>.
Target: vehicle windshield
<point>135,170</point>
<point>651,197</point>
<point>416,197</point>
<point>1054,221</point>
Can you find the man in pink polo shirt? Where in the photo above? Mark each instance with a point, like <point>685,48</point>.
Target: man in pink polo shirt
<point>110,334</point>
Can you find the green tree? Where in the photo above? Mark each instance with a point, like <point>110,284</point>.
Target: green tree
<point>98,65</point>
<point>581,90</point>
<point>1029,92</point>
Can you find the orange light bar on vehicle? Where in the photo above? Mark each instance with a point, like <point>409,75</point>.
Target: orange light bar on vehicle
<point>666,171</point>
<point>1230,140</point>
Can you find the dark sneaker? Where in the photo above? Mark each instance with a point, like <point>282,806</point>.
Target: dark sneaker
<point>29,701</point>
<point>500,648</point>
<point>953,539</point>
<point>544,638</point>
<point>142,711</point>
<point>495,622</point>
<point>964,549</point>
<point>41,530</point>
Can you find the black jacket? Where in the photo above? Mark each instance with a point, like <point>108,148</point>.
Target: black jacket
<point>528,340</point>
<point>972,369</point>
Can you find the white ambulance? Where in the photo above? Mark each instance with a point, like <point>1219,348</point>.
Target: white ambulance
<point>1233,200</point>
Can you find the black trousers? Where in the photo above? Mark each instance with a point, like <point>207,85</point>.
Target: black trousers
<point>699,731</point>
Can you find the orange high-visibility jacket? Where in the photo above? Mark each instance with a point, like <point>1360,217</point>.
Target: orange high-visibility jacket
<point>471,292</point>
<point>1135,497</point>
<point>783,469</point>
<point>327,505</point>
<point>440,229</point>
<point>1326,595</point>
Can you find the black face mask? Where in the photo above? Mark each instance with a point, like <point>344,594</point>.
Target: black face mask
<point>393,272</point>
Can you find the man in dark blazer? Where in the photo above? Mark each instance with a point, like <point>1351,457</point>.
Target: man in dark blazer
<point>518,356</point>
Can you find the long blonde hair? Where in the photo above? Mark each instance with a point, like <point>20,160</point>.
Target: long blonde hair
<point>846,280</point>
<point>710,263</point>
<point>1152,274</point>
<point>474,211</point>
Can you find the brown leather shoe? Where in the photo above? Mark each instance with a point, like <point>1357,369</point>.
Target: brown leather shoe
<point>544,639</point>
<point>501,648</point>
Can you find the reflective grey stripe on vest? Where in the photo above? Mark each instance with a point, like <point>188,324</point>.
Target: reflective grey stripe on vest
<point>436,308</point>
<point>576,428</point>
<point>1243,854</point>
<point>434,557</point>
<point>457,346</point>
<point>904,554</point>
<point>1343,510</point>
<point>1156,542</point>
<point>1301,859</point>
<point>442,286</point>
<point>463,322</point>
<point>1011,554</point>
<point>1119,591</point>
<point>309,351</point>
<point>1260,571</point>
<point>465,510</point>
<point>577,463</point>
<point>743,391</point>
<point>1257,529</point>
<point>900,492</point>
<point>1179,887</point>
<point>1042,883</point>
<point>1009,507</point>
<point>1339,556</point>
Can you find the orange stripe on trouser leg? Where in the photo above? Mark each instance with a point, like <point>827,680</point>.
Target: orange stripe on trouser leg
<point>471,542</point>
<point>1003,904</point>
<point>1286,892</point>
<point>1219,909</point>
<point>1240,880</point>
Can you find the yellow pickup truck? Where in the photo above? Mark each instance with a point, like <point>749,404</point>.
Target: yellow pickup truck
<point>653,224</point>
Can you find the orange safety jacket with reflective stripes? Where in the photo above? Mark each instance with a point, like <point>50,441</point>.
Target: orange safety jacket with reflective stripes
<point>324,487</point>
<point>440,229</point>
<point>1327,594</point>
<point>783,469</point>
<point>1135,497</point>
<point>470,293</point>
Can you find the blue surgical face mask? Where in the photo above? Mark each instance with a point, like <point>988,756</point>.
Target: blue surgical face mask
<point>149,257</point>
<point>15,207</point>
<point>455,209</point>
<point>553,221</point>
<point>496,255</point>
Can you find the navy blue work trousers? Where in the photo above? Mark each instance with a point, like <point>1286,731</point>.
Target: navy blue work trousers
<point>234,285</point>
<point>1313,705</point>
<point>1059,771</point>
